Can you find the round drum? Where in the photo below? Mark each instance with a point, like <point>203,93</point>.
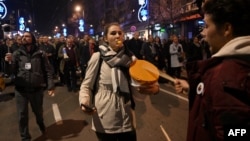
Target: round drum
<point>143,72</point>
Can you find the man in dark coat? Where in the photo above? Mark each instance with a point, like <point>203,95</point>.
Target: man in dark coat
<point>135,45</point>
<point>30,65</point>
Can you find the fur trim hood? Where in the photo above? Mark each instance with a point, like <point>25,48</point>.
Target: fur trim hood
<point>237,46</point>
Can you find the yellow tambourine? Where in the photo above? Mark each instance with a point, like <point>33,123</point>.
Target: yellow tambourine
<point>143,72</point>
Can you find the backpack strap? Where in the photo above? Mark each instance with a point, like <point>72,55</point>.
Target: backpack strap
<point>97,77</point>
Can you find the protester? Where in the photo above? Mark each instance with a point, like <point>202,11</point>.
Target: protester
<point>61,42</point>
<point>161,55</point>
<point>176,57</point>
<point>17,42</point>
<point>195,51</point>
<point>166,46</point>
<point>135,45</point>
<point>149,51</point>
<point>86,49</point>
<point>69,63</point>
<point>29,65</point>
<point>218,87</point>
<point>50,51</point>
<point>108,83</point>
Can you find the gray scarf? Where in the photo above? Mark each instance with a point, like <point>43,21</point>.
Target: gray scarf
<point>117,61</point>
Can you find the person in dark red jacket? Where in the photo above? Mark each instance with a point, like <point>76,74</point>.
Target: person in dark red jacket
<point>219,87</point>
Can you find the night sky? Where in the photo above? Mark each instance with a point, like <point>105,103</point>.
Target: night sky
<point>49,13</point>
<point>45,14</point>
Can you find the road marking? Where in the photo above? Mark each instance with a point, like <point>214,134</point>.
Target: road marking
<point>174,94</point>
<point>57,115</point>
<point>165,133</point>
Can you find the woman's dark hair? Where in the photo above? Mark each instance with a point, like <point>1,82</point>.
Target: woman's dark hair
<point>235,12</point>
<point>106,28</point>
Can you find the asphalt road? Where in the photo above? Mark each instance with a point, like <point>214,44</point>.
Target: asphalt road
<point>161,117</point>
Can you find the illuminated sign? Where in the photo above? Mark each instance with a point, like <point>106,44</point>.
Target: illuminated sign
<point>21,24</point>
<point>58,35</point>
<point>157,27</point>
<point>133,28</point>
<point>91,31</point>
<point>143,12</point>
<point>81,25</point>
<point>201,22</point>
<point>27,29</point>
<point>64,32</point>
<point>163,30</point>
<point>3,10</point>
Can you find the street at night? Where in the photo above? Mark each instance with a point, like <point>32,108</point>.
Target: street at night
<point>124,70</point>
<point>156,116</point>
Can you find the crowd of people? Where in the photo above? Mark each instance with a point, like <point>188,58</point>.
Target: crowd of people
<point>169,55</point>
<point>64,67</point>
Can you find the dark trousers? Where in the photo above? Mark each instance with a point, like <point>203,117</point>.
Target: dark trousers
<point>61,76</point>
<point>59,72</point>
<point>70,77</point>
<point>36,101</point>
<point>83,71</point>
<point>127,136</point>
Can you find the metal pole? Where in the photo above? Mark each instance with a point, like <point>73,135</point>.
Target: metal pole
<point>148,17</point>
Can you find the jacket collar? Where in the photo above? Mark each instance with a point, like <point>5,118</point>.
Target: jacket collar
<point>236,47</point>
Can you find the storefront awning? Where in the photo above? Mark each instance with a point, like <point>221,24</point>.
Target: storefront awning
<point>190,17</point>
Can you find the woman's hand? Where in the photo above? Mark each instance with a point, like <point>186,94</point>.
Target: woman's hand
<point>51,93</point>
<point>181,85</point>
<point>87,109</point>
<point>85,106</point>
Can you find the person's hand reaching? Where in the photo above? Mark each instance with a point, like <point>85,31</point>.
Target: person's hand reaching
<point>181,85</point>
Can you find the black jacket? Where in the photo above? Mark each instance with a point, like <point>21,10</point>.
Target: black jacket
<point>31,68</point>
<point>135,45</point>
<point>146,51</point>
<point>84,53</point>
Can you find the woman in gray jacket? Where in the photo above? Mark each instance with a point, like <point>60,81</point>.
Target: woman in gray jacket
<point>108,82</point>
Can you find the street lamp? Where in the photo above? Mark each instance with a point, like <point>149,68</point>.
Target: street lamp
<point>78,8</point>
<point>78,16</point>
<point>75,19</point>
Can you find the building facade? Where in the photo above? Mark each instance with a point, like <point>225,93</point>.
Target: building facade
<point>163,17</point>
